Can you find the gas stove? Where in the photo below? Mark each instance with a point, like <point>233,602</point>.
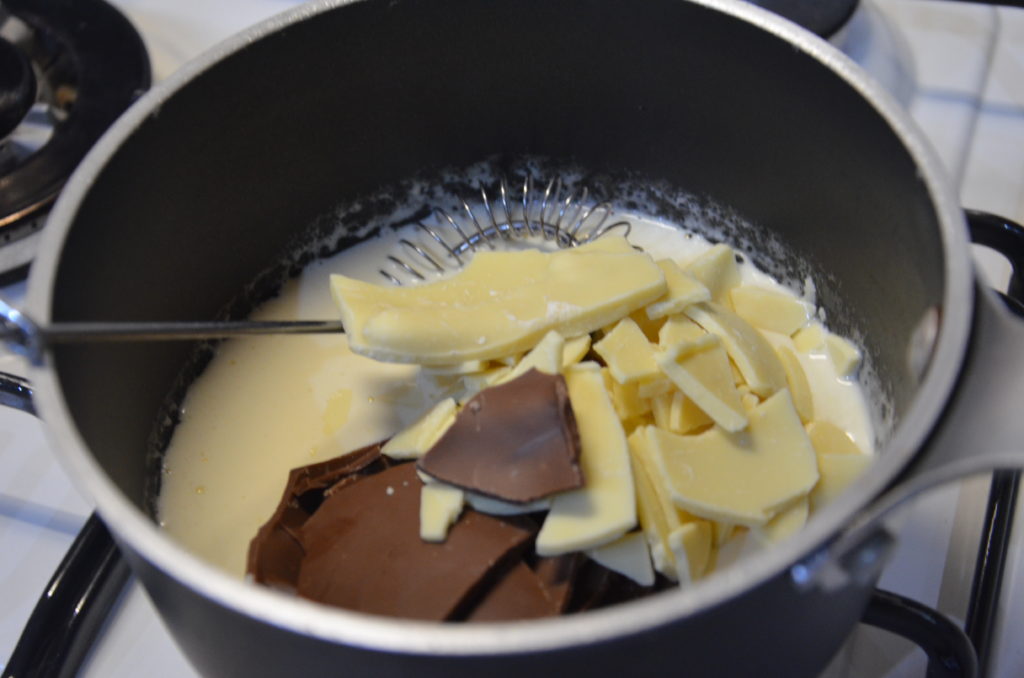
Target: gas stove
<point>954,66</point>
<point>70,68</point>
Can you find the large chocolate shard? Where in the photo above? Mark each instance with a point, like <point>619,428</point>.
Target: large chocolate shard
<point>276,552</point>
<point>517,442</point>
<point>363,551</point>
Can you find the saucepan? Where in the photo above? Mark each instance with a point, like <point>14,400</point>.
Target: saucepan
<point>196,192</point>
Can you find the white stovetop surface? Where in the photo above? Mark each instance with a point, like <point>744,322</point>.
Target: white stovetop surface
<point>969,99</point>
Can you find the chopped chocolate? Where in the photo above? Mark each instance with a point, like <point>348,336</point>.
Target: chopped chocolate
<point>518,594</point>
<point>621,588</point>
<point>276,551</point>
<point>557,575</point>
<point>597,586</point>
<point>590,587</point>
<point>363,551</point>
<point>517,442</point>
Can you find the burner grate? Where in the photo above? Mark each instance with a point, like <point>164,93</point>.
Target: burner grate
<point>86,64</point>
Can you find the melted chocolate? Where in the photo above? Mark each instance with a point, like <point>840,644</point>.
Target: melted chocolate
<point>517,442</point>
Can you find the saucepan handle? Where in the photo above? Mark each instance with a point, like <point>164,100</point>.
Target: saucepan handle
<point>981,429</point>
<point>1007,238</point>
<point>79,595</point>
<point>16,393</point>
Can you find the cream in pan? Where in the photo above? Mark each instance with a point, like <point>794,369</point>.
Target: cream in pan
<point>267,405</point>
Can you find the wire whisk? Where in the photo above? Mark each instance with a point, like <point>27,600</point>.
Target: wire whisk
<point>540,218</point>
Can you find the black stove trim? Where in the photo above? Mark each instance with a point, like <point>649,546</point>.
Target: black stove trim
<point>1007,238</point>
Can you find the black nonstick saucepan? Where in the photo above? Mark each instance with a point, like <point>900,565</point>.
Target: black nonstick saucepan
<point>210,177</point>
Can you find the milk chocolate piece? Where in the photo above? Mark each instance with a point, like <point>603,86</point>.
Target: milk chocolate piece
<point>517,442</point>
<point>364,552</point>
<point>590,586</point>
<point>518,594</point>
<point>596,586</point>
<point>557,574</point>
<point>276,551</point>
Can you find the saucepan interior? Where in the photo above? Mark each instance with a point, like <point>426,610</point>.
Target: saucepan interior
<point>204,186</point>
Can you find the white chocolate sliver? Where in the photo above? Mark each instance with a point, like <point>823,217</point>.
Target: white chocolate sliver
<point>500,303</point>
<point>440,506</point>
<point>701,371</point>
<point>747,347</point>
<point>413,442</point>
<point>683,290</point>
<point>628,354</point>
<point>716,269</point>
<point>628,555</point>
<point>770,310</point>
<point>740,477</point>
<point>605,507</point>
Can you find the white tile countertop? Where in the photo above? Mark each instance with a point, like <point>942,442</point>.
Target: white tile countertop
<point>967,94</point>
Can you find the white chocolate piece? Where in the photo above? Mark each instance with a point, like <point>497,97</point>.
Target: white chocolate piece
<point>683,290</point>
<point>652,388</point>
<point>627,353</point>
<point>643,458</point>
<point>650,327</point>
<point>575,350</point>
<point>628,555</point>
<point>770,310</point>
<point>609,244</point>
<point>747,347</point>
<point>843,354</point>
<point>500,303</point>
<point>605,507</point>
<point>744,477</point>
<point>784,524</point>
<point>545,357</point>
<point>722,532</point>
<point>679,329</point>
<point>440,506</point>
<point>701,371</point>
<point>691,547</point>
<point>799,387</point>
<point>413,442</point>
<point>740,545</point>
<point>737,376</point>
<point>749,400</point>
<point>827,438</point>
<point>497,507</point>
<point>810,339</point>
<point>659,516</point>
<point>655,522</point>
<point>627,402</point>
<point>838,471</point>
<point>661,409</point>
<point>685,415</point>
<point>716,269</point>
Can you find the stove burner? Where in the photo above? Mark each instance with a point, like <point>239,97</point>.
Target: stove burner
<point>17,87</point>
<point>824,17</point>
<point>86,65</point>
